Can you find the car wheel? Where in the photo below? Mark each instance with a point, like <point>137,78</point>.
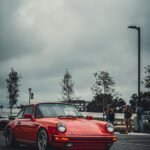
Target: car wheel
<point>9,138</point>
<point>42,140</point>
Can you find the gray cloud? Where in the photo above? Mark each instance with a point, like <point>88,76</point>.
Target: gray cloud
<point>41,39</point>
<point>15,41</point>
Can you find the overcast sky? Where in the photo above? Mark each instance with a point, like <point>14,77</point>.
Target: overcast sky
<point>41,39</point>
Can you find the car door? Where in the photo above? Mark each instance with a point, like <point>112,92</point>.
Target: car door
<point>17,125</point>
<point>29,125</point>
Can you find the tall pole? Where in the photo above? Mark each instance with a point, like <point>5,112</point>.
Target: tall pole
<point>139,60</point>
<point>29,94</point>
<point>139,63</point>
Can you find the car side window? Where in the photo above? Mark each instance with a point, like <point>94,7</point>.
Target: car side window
<point>38,113</point>
<point>28,110</point>
<point>20,114</point>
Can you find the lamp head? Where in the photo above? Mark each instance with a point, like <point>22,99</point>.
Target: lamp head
<point>134,27</point>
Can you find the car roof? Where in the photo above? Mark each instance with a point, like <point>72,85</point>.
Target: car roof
<point>46,103</point>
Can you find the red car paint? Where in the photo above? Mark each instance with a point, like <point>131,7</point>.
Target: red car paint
<point>82,133</point>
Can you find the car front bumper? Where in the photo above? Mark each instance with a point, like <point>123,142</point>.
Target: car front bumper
<point>83,143</point>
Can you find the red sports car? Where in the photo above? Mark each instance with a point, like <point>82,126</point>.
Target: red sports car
<point>52,126</point>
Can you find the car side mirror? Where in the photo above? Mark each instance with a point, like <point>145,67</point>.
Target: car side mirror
<point>12,117</point>
<point>27,116</point>
<point>89,117</point>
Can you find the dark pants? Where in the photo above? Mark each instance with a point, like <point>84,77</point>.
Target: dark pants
<point>139,125</point>
<point>128,124</point>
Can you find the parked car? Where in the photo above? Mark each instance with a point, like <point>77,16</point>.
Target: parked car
<point>3,122</point>
<point>58,126</point>
<point>147,113</point>
<point>146,121</point>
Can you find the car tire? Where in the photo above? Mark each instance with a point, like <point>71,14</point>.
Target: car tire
<point>9,138</point>
<point>42,140</point>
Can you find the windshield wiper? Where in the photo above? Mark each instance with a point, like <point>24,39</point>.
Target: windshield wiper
<point>80,116</point>
<point>67,116</point>
<point>61,116</point>
<point>71,116</point>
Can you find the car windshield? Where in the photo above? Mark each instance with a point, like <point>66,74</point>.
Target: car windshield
<point>47,110</point>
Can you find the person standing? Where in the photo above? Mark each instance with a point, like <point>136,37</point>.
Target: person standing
<point>105,114</point>
<point>127,118</point>
<point>139,112</point>
<point>111,115</point>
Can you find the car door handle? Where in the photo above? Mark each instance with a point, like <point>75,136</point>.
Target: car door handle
<point>19,123</point>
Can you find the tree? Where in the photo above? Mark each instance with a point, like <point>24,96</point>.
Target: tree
<point>144,96</point>
<point>13,88</point>
<point>133,101</point>
<point>147,77</point>
<point>145,100</point>
<point>96,105</point>
<point>67,87</point>
<point>104,83</point>
<point>103,86</point>
<point>118,104</point>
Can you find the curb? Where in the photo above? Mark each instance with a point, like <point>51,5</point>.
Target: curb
<point>132,133</point>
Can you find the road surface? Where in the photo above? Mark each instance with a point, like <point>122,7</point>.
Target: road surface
<point>125,142</point>
<point>132,142</point>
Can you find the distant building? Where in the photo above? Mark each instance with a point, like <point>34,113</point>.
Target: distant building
<point>81,105</point>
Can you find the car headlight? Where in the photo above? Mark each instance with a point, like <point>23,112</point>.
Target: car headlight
<point>61,127</point>
<point>110,127</point>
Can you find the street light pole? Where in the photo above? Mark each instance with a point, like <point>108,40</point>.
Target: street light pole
<point>139,59</point>
<point>29,94</point>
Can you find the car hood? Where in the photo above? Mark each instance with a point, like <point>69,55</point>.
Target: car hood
<point>82,126</point>
<point>78,126</point>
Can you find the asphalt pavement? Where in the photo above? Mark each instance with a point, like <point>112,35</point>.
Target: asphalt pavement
<point>132,141</point>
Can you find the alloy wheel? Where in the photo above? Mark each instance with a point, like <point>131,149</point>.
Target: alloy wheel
<point>42,140</point>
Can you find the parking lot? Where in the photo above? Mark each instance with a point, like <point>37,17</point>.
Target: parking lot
<point>130,142</point>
